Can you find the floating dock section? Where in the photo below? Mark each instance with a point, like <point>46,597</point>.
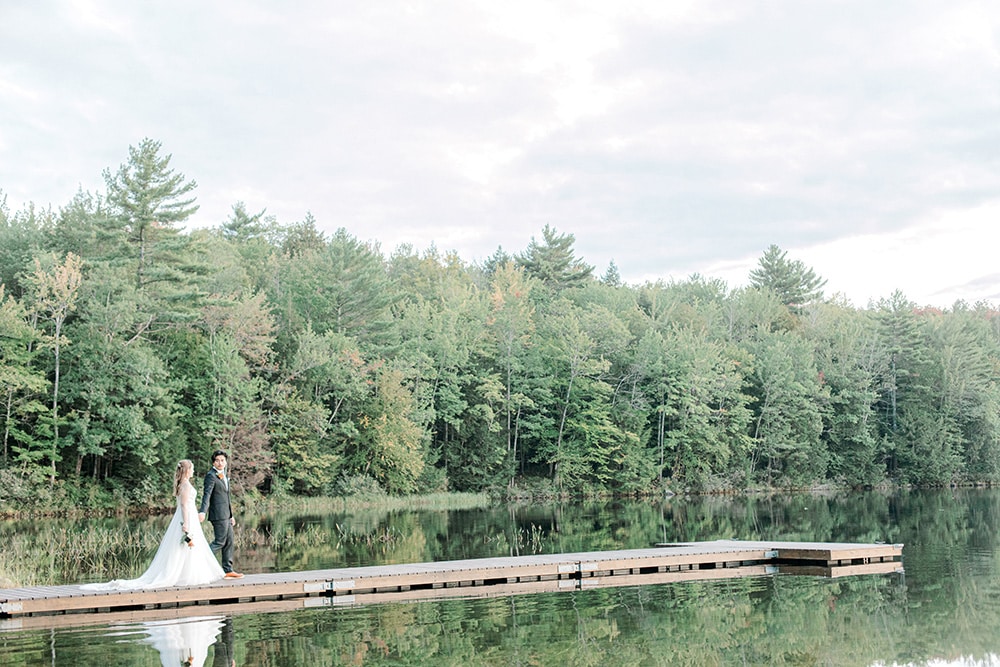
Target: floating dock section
<point>482,577</point>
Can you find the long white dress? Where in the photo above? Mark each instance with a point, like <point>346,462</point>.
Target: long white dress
<point>183,641</point>
<point>175,563</point>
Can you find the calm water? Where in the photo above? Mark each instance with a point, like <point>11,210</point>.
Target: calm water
<point>945,609</point>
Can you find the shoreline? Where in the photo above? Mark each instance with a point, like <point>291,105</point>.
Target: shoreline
<point>449,500</point>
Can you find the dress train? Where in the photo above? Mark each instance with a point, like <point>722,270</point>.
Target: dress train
<point>175,563</point>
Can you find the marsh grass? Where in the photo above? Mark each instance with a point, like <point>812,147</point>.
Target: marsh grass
<point>521,541</point>
<point>251,502</point>
<point>80,547</point>
<point>65,552</point>
<point>382,538</point>
<point>384,503</point>
<point>312,534</point>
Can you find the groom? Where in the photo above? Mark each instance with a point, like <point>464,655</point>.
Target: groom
<point>215,500</point>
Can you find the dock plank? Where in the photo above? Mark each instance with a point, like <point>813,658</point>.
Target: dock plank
<point>488,576</point>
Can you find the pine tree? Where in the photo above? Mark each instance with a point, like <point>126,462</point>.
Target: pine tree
<point>554,263</point>
<point>147,201</point>
<point>612,277</point>
<point>793,282</point>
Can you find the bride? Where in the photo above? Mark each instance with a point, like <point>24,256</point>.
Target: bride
<point>184,557</point>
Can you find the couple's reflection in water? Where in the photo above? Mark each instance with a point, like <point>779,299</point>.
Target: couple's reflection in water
<point>186,641</point>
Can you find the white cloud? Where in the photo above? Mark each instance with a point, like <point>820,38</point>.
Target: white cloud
<point>670,136</point>
<point>947,257</point>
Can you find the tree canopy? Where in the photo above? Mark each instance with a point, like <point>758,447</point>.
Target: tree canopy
<point>323,365</point>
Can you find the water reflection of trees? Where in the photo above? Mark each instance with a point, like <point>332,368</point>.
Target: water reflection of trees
<point>944,605</point>
<point>781,620</point>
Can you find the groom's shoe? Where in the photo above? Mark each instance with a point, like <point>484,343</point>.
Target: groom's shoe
<point>233,575</point>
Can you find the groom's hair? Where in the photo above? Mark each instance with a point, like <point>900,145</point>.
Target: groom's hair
<point>219,452</point>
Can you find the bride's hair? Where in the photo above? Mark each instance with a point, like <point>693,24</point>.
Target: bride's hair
<point>183,467</point>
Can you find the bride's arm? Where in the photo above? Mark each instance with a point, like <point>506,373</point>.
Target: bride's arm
<point>186,501</point>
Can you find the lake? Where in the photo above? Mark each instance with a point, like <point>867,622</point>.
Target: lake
<point>943,610</point>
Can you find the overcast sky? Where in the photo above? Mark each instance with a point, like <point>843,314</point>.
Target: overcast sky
<point>669,136</point>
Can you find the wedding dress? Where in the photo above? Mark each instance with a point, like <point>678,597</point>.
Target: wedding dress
<point>175,563</point>
<point>183,642</point>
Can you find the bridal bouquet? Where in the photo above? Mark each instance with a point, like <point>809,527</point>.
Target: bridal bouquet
<point>187,539</point>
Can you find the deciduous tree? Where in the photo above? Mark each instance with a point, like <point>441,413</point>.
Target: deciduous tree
<point>54,291</point>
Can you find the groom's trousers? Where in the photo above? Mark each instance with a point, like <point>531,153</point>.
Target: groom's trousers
<point>223,542</point>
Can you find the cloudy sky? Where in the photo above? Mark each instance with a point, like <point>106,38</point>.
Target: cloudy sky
<point>669,136</point>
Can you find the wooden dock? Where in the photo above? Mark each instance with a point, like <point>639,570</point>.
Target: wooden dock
<point>483,577</point>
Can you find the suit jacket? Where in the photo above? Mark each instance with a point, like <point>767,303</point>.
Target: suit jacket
<point>215,502</point>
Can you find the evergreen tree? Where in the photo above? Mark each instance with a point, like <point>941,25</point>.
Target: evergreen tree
<point>906,407</point>
<point>851,362</point>
<point>495,261</point>
<point>794,283</point>
<point>342,286</point>
<point>243,226</point>
<point>22,237</point>
<point>84,226</point>
<point>788,418</point>
<point>21,382</point>
<point>612,277</point>
<point>302,237</point>
<point>554,262</point>
<point>147,202</point>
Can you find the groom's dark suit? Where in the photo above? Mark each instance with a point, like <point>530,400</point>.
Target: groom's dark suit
<point>216,506</point>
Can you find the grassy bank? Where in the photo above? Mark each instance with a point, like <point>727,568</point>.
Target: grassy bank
<point>253,503</point>
<point>325,505</point>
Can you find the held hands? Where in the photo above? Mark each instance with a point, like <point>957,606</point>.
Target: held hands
<point>201,518</point>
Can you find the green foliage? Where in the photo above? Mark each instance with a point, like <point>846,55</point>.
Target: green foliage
<point>53,289</point>
<point>851,361</point>
<point>788,421</point>
<point>359,485</point>
<point>146,201</point>
<point>341,286</point>
<point>554,263</point>
<point>389,445</point>
<point>21,381</point>
<point>22,237</point>
<point>703,413</point>
<point>116,381</point>
<point>793,282</point>
<point>309,358</point>
<point>305,458</point>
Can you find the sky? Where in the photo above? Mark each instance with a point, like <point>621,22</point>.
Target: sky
<point>670,137</point>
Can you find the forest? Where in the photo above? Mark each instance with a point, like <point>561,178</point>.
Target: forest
<point>325,367</point>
